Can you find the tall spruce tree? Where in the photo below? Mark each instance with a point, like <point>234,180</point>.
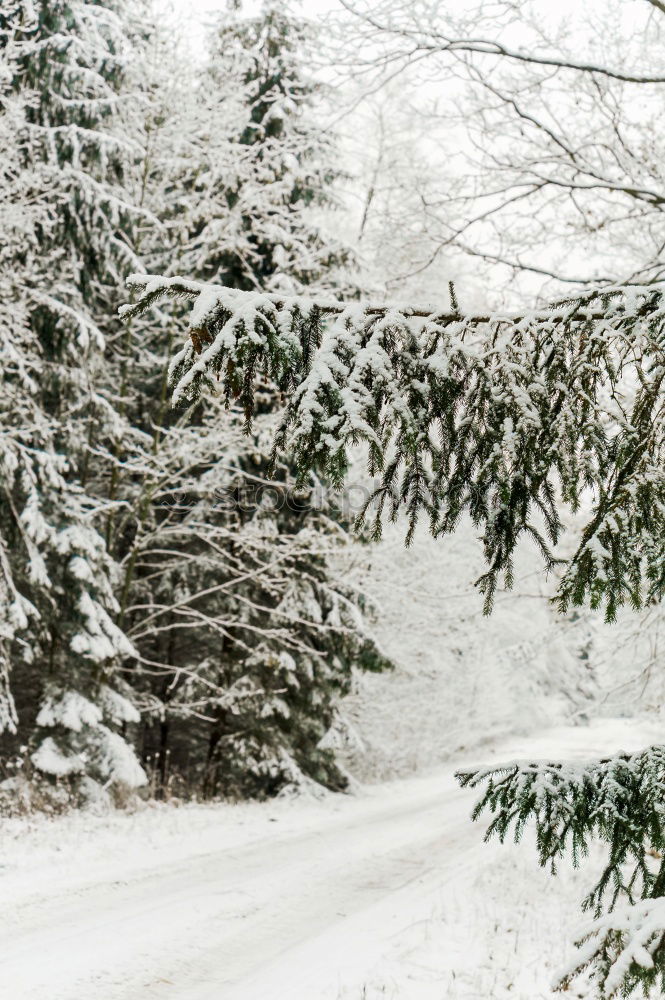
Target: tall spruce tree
<point>22,205</point>
<point>261,97</point>
<point>247,636</point>
<point>66,73</point>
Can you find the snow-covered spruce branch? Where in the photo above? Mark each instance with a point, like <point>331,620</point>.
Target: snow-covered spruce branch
<point>626,948</point>
<point>619,801</point>
<point>498,416</point>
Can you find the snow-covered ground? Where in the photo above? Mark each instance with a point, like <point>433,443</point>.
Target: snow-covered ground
<point>389,893</point>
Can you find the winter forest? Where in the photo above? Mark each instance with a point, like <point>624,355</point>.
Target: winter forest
<point>332,499</point>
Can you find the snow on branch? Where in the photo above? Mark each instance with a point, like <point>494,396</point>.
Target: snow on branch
<point>498,416</point>
<point>625,948</point>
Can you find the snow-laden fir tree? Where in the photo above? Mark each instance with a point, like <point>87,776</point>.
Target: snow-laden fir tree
<point>247,635</point>
<point>21,205</point>
<point>261,98</point>
<point>62,83</point>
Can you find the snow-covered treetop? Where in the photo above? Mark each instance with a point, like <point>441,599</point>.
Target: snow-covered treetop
<point>500,416</point>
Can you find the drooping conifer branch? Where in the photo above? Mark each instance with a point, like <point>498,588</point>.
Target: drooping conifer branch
<point>573,804</point>
<point>618,801</point>
<point>501,417</point>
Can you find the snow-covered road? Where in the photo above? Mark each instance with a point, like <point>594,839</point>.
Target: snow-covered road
<point>297,900</point>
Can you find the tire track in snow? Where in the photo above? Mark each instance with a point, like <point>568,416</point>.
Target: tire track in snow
<point>215,925</point>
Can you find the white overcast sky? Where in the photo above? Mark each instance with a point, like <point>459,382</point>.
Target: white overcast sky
<point>193,15</point>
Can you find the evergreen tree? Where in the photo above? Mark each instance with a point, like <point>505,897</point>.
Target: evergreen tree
<point>65,75</point>
<point>21,206</point>
<point>246,634</point>
<point>255,223</point>
<point>136,573</point>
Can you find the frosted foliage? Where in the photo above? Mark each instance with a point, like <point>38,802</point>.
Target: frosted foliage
<point>102,639</point>
<point>115,761</point>
<point>636,933</point>
<point>97,750</point>
<point>616,800</point>
<point>49,758</point>
<point>70,710</point>
<point>116,707</point>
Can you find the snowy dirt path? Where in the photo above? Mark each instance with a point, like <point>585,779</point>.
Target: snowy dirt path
<point>288,900</point>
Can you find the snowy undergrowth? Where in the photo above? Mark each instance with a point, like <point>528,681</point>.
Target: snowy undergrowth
<point>81,847</point>
<point>502,934</point>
